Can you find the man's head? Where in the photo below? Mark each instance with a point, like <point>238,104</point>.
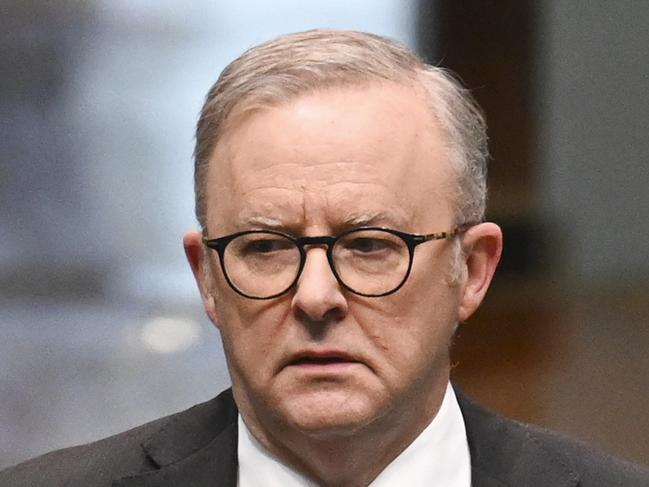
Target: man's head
<point>329,132</point>
<point>284,68</point>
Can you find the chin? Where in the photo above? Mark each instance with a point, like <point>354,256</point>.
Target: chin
<point>329,412</point>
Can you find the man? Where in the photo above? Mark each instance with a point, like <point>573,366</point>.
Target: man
<point>340,187</point>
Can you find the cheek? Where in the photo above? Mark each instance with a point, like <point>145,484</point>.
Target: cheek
<point>431,289</point>
<point>251,332</point>
<point>413,328</point>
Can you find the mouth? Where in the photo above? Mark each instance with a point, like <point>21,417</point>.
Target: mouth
<point>321,359</point>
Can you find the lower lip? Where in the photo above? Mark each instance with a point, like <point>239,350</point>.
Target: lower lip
<point>324,366</point>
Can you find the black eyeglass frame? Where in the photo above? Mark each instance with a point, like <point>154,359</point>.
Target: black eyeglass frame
<point>411,240</point>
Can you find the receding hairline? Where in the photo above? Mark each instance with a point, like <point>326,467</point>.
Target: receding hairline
<point>254,104</point>
<point>266,76</point>
<point>273,96</point>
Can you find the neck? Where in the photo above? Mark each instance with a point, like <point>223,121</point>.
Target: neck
<point>347,459</point>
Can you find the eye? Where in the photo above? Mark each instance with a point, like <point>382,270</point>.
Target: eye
<point>265,245</point>
<point>367,245</point>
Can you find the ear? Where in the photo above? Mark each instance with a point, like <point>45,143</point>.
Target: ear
<point>482,245</point>
<point>196,254</point>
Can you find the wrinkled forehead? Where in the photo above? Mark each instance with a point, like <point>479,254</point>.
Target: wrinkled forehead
<point>362,146</point>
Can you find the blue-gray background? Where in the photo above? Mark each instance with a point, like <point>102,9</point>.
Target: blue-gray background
<point>101,326</point>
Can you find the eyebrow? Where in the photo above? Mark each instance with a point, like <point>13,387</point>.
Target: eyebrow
<point>360,219</point>
<point>376,218</point>
<point>263,222</point>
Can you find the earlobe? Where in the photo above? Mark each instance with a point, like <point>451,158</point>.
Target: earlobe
<point>210,308</point>
<point>482,245</point>
<point>195,252</point>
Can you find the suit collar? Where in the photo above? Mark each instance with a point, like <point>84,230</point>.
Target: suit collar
<point>505,453</point>
<point>483,479</point>
<point>195,448</point>
<point>198,448</point>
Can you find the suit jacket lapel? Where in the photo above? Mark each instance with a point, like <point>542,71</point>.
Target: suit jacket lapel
<point>507,453</point>
<point>483,479</point>
<point>197,448</point>
<point>212,466</point>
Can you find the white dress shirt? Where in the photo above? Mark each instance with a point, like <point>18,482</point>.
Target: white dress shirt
<point>438,457</point>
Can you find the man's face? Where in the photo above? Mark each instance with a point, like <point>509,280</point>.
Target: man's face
<point>319,359</point>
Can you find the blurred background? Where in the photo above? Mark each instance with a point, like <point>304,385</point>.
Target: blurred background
<point>101,325</point>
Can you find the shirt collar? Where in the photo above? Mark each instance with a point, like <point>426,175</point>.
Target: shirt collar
<point>439,456</point>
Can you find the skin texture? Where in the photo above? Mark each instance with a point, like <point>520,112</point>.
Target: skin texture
<point>320,164</point>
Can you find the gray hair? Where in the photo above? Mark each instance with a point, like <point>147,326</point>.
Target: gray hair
<point>295,64</point>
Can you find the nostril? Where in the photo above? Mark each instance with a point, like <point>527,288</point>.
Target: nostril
<point>319,316</point>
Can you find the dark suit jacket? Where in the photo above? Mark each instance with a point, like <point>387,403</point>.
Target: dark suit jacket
<point>198,447</point>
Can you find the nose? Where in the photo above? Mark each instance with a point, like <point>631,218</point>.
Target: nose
<point>318,295</point>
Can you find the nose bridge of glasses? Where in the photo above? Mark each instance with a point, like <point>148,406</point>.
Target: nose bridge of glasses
<point>325,240</point>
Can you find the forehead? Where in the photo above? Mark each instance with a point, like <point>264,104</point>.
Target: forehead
<point>344,155</point>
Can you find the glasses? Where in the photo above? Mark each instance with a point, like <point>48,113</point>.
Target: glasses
<point>368,261</point>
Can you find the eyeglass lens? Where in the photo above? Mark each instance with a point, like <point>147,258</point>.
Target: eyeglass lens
<point>370,262</point>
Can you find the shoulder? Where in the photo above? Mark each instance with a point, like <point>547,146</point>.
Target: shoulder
<point>94,463</point>
<point>126,454</point>
<point>520,454</point>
